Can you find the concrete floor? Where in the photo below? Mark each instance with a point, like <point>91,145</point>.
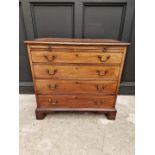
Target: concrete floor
<point>77,133</point>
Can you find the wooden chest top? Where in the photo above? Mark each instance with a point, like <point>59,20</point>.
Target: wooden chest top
<point>76,41</point>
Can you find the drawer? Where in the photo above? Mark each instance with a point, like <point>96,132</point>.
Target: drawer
<point>74,86</point>
<point>71,48</point>
<point>75,101</point>
<point>76,57</point>
<point>65,71</point>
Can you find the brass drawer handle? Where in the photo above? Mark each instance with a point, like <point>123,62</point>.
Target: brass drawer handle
<point>51,72</point>
<point>104,49</point>
<point>53,102</point>
<point>100,87</point>
<point>101,73</point>
<point>52,86</point>
<point>49,59</point>
<point>104,60</point>
<point>99,102</point>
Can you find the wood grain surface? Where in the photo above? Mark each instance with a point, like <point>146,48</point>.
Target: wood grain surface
<point>76,74</point>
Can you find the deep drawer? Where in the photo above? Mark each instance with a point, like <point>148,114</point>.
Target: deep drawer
<point>75,101</point>
<point>76,57</point>
<point>74,86</point>
<point>87,72</point>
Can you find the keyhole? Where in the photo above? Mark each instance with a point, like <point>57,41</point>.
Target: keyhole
<point>76,97</point>
<point>76,55</point>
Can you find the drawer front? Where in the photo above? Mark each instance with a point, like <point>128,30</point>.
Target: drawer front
<point>74,86</point>
<point>76,57</point>
<point>75,101</point>
<point>58,71</point>
<point>71,48</point>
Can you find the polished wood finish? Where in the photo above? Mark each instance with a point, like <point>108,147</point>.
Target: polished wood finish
<point>76,74</point>
<point>76,101</point>
<point>75,86</point>
<point>77,57</point>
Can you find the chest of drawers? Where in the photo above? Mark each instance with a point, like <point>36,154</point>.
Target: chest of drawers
<point>76,74</point>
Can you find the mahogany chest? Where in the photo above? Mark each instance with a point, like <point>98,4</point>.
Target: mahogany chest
<point>76,74</point>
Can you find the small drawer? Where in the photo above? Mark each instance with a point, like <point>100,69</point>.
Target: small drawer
<point>76,101</point>
<point>75,48</point>
<point>73,72</point>
<point>52,48</point>
<point>74,86</point>
<point>76,57</point>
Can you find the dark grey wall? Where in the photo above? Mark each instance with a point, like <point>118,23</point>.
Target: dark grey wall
<point>77,19</point>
